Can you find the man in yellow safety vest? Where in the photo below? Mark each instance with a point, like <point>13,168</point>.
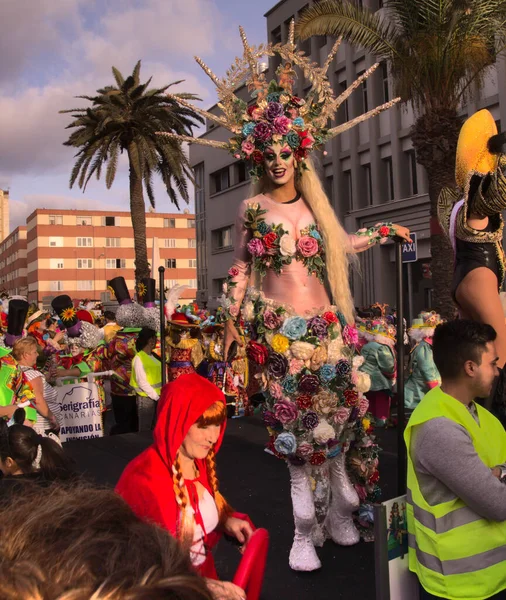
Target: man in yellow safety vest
<point>456,497</point>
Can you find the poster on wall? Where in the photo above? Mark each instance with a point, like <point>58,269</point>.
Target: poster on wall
<point>394,580</point>
<point>81,412</point>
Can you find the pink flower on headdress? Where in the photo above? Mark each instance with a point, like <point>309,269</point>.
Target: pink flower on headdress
<point>293,113</point>
<point>262,131</point>
<point>247,148</point>
<point>282,125</point>
<point>307,246</point>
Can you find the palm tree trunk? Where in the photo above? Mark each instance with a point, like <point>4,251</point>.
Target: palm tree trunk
<point>138,214</point>
<point>435,137</point>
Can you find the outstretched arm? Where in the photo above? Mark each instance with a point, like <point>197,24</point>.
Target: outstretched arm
<point>379,234</point>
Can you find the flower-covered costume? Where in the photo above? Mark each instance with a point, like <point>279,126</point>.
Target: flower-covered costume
<point>423,373</point>
<point>314,403</point>
<point>184,348</point>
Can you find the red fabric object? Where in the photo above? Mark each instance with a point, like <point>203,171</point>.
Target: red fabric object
<point>379,404</point>
<point>146,483</point>
<point>250,574</point>
<point>432,384</point>
<point>85,315</point>
<point>3,319</point>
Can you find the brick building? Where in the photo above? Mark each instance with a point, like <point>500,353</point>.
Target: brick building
<point>77,252</point>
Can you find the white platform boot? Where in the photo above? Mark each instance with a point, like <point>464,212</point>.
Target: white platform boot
<point>303,555</point>
<point>344,501</point>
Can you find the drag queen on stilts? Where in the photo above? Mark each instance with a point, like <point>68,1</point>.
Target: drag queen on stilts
<point>300,310</point>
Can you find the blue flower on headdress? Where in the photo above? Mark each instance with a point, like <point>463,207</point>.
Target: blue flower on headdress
<point>294,328</point>
<point>285,443</point>
<point>248,129</point>
<point>273,97</point>
<point>292,139</point>
<point>299,121</point>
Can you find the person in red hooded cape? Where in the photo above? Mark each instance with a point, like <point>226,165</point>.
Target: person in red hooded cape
<point>173,483</point>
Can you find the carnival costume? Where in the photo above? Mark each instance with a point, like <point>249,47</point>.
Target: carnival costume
<point>14,386</point>
<point>184,348</point>
<point>482,190</point>
<point>423,373</point>
<point>146,293</point>
<point>379,362</point>
<point>304,344</point>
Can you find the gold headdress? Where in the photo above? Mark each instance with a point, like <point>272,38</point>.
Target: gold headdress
<point>277,116</point>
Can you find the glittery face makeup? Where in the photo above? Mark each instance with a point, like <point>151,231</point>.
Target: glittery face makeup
<point>279,164</point>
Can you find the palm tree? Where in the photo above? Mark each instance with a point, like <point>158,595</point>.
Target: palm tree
<point>437,52</point>
<point>127,117</point>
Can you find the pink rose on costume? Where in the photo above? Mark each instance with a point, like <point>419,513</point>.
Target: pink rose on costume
<point>282,125</point>
<point>307,246</point>
<point>275,390</point>
<point>256,247</point>
<point>233,271</point>
<point>362,407</point>
<point>295,366</point>
<point>271,319</point>
<point>285,411</point>
<point>234,310</point>
<point>304,450</point>
<point>342,415</point>
<point>247,148</point>
<point>350,335</point>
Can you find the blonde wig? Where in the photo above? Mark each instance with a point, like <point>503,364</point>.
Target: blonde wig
<point>338,250</point>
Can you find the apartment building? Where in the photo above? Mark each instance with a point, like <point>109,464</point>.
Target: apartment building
<point>4,214</point>
<point>13,266</point>
<point>78,252</point>
<point>369,172</point>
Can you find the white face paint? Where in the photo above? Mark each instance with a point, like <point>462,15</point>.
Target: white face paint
<point>279,163</point>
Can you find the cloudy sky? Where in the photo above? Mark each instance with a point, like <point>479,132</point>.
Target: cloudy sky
<point>54,50</point>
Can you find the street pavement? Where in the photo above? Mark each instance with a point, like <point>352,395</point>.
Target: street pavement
<point>256,483</point>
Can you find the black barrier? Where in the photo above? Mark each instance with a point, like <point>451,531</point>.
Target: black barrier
<point>401,415</point>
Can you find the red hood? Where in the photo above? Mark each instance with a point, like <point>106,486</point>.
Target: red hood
<point>181,404</point>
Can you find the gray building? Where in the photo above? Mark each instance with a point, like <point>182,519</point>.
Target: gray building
<point>370,172</point>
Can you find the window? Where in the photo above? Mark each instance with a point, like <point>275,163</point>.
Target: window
<point>222,238</point>
<point>109,221</point>
<point>192,243</point>
<point>170,263</point>
<point>190,223</point>
<point>329,188</point>
<point>171,283</point>
<point>368,183</point>
<point>343,114</point>
<point>363,88</point>
<point>390,178</point>
<point>115,263</point>
<point>384,74</point>
<point>57,286</point>
<point>56,263</point>
<point>218,286</point>
<point>56,242</point>
<point>113,242</point>
<point>192,283</point>
<point>85,285</point>
<point>413,179</point>
<point>170,243</point>
<point>84,263</point>
<point>241,172</point>
<point>83,221</point>
<point>193,263</point>
<point>220,180</point>
<point>198,171</point>
<point>55,220</point>
<point>169,222</point>
<point>83,242</point>
<point>348,190</point>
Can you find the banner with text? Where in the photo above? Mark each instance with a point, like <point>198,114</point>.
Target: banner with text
<point>81,414</point>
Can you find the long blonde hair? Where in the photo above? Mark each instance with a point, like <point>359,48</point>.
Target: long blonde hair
<point>338,250</point>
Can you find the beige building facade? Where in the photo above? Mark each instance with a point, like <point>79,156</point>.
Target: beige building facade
<point>4,214</point>
<point>370,172</point>
<point>78,252</point>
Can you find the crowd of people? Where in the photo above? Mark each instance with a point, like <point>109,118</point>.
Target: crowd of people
<point>288,336</point>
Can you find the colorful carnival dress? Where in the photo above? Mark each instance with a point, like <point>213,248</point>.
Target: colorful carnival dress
<point>314,391</point>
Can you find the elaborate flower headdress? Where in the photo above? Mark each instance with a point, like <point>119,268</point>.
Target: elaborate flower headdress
<point>276,115</point>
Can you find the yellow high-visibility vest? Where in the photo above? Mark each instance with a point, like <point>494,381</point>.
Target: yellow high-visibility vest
<point>456,553</point>
<point>153,369</point>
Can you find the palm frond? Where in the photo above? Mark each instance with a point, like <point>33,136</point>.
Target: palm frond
<point>120,80</point>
